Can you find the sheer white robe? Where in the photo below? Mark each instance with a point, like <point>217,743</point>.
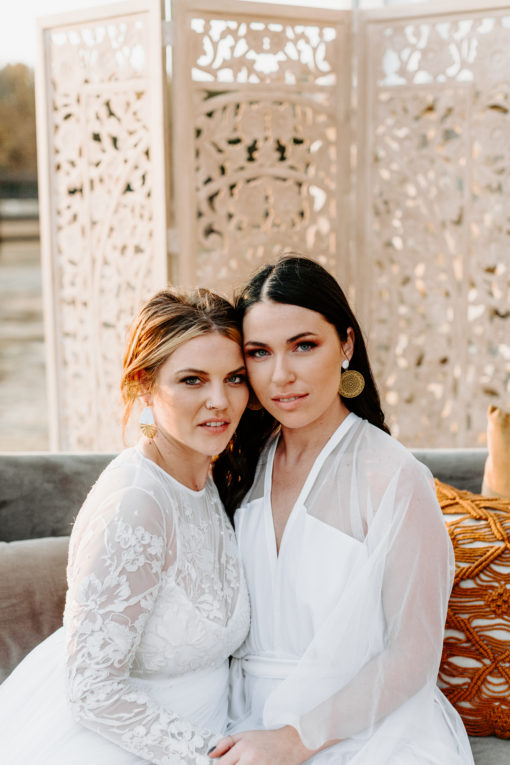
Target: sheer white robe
<point>348,618</point>
<point>156,603</point>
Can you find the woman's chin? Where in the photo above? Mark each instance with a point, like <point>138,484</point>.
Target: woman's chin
<point>290,419</point>
<point>211,444</point>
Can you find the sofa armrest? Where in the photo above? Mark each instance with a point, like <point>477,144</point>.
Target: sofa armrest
<point>32,595</point>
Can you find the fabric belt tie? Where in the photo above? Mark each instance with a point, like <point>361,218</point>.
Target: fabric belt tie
<point>262,666</point>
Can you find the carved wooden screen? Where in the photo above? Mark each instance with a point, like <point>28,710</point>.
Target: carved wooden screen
<point>261,96</point>
<point>433,266</point>
<point>102,198</point>
<point>262,164</point>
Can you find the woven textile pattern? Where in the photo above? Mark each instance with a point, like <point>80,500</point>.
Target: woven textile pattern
<point>475,666</point>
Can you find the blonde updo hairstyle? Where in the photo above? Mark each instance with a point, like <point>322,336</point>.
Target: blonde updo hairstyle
<point>168,320</point>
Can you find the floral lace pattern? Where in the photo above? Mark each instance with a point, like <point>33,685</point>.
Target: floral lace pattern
<point>155,591</point>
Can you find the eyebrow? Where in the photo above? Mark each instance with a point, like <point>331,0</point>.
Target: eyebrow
<point>290,340</point>
<point>203,372</point>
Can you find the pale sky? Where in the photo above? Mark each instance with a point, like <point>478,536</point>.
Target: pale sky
<point>18,26</point>
<point>18,21</point>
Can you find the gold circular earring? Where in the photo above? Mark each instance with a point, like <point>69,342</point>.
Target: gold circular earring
<point>352,382</point>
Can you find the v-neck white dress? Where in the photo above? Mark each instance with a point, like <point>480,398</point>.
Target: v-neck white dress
<point>156,603</point>
<point>348,618</point>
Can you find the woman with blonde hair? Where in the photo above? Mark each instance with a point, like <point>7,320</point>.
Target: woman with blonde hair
<point>156,599</point>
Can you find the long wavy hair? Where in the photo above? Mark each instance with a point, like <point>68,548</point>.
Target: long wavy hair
<point>295,280</point>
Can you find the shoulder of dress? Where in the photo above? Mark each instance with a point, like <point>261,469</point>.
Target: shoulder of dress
<point>131,483</point>
<point>374,449</point>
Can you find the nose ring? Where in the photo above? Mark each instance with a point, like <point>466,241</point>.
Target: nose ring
<point>209,405</point>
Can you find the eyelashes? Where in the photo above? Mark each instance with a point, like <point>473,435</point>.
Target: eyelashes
<point>193,381</point>
<point>237,379</point>
<point>309,346</point>
<point>304,346</point>
<point>257,353</point>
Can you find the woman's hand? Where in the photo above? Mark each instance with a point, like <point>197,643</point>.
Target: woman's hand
<point>263,747</point>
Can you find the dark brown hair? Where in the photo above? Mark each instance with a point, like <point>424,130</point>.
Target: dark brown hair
<point>296,280</point>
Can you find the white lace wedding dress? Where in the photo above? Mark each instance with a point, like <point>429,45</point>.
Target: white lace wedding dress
<point>156,603</point>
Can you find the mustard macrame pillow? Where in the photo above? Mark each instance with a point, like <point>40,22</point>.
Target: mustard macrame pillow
<point>475,666</point>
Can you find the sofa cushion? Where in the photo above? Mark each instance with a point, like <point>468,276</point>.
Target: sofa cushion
<point>489,750</point>
<point>458,467</point>
<point>32,595</point>
<point>475,667</point>
<point>41,494</point>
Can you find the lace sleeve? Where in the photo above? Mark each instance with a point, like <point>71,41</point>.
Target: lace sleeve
<point>119,555</point>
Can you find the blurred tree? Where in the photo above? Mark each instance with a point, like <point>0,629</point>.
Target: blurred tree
<point>17,122</point>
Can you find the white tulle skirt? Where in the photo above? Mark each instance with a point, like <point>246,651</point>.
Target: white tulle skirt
<point>37,727</point>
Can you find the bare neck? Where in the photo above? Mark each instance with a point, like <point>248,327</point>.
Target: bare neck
<point>297,445</point>
<point>185,465</point>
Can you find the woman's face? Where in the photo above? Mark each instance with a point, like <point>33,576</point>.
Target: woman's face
<point>294,356</point>
<point>200,393</point>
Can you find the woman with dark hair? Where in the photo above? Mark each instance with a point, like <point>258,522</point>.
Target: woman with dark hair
<point>347,559</point>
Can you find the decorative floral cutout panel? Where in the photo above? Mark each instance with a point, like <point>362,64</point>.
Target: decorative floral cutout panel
<point>435,249</point>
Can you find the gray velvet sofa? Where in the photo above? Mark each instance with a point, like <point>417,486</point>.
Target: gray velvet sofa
<point>40,495</point>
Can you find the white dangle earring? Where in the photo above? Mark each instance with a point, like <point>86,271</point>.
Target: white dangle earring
<point>147,424</point>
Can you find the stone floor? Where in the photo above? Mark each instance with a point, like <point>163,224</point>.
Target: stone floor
<point>23,406</point>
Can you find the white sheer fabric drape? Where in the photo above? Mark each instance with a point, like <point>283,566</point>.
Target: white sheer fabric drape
<point>368,538</point>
